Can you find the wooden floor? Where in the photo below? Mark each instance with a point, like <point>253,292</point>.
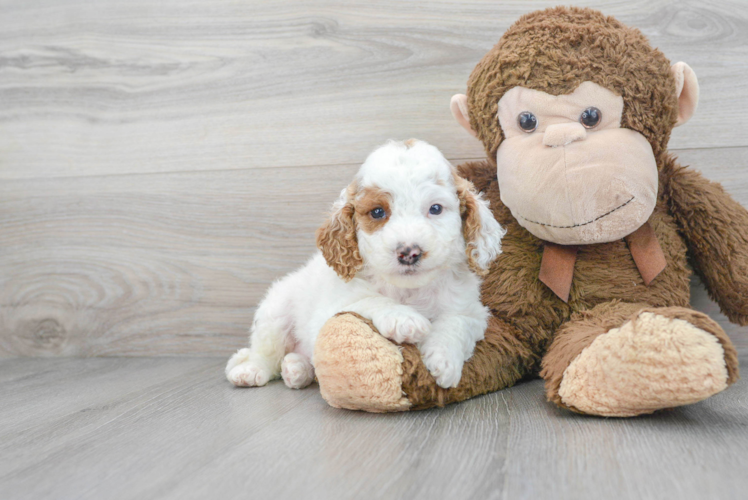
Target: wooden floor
<point>162,162</point>
<point>173,428</point>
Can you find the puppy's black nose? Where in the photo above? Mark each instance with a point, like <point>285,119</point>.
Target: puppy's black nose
<point>408,255</point>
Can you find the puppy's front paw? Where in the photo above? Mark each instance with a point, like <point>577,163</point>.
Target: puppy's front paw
<point>249,374</point>
<point>402,325</point>
<point>443,364</point>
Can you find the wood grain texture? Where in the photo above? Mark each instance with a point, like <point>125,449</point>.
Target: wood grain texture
<point>151,264</point>
<point>175,263</point>
<point>694,451</point>
<point>134,87</point>
<point>173,428</point>
<point>139,214</point>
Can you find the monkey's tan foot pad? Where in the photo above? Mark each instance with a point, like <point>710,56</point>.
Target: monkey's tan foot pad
<point>357,368</point>
<point>650,363</point>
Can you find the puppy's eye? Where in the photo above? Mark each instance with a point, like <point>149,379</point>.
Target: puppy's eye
<point>377,213</point>
<point>435,209</point>
<point>527,122</point>
<point>590,117</point>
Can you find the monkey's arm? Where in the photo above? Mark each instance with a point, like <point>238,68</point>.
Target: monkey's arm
<point>716,230</point>
<point>481,173</point>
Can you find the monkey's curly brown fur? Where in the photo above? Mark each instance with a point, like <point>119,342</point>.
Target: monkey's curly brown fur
<point>554,51</point>
<point>698,225</point>
<point>557,49</point>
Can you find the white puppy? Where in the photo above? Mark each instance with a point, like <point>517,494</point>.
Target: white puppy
<point>404,247</point>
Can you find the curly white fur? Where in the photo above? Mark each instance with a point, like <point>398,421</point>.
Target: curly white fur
<point>434,303</point>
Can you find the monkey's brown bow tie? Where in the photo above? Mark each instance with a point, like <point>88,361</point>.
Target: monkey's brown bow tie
<point>557,266</point>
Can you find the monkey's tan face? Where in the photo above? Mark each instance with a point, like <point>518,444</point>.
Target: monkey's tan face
<point>568,171</point>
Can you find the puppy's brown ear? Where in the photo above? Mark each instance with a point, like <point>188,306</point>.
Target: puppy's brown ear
<point>479,228</point>
<point>336,238</point>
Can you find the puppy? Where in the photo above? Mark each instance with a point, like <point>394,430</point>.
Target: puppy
<point>405,247</point>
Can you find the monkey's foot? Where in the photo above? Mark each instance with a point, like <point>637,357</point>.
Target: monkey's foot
<point>357,368</point>
<point>651,362</point>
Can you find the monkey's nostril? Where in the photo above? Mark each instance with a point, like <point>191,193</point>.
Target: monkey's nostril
<point>408,255</point>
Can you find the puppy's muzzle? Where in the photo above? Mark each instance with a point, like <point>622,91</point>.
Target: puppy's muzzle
<point>408,255</point>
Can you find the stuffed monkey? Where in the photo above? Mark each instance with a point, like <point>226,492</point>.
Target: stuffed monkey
<point>604,228</point>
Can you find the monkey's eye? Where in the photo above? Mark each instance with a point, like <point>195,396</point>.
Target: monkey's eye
<point>527,122</point>
<point>435,209</point>
<point>377,213</point>
<point>590,117</point>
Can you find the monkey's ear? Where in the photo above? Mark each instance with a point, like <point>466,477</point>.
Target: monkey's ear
<point>336,238</point>
<point>687,90</point>
<point>459,109</point>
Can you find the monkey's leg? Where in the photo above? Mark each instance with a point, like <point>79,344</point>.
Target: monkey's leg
<point>624,360</point>
<point>359,369</point>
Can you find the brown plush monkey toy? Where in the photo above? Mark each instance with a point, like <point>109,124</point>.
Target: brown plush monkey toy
<point>592,288</point>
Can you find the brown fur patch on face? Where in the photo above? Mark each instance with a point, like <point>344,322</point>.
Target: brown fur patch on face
<point>336,238</point>
<point>471,223</point>
<point>555,50</point>
<point>410,143</point>
<point>367,200</point>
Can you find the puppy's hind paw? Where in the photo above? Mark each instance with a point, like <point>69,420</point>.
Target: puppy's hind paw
<point>444,366</point>
<point>297,371</point>
<point>249,374</point>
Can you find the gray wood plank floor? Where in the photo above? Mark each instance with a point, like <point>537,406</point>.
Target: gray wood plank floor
<point>173,428</point>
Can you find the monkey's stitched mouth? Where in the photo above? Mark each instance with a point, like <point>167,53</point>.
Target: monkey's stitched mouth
<point>582,223</point>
